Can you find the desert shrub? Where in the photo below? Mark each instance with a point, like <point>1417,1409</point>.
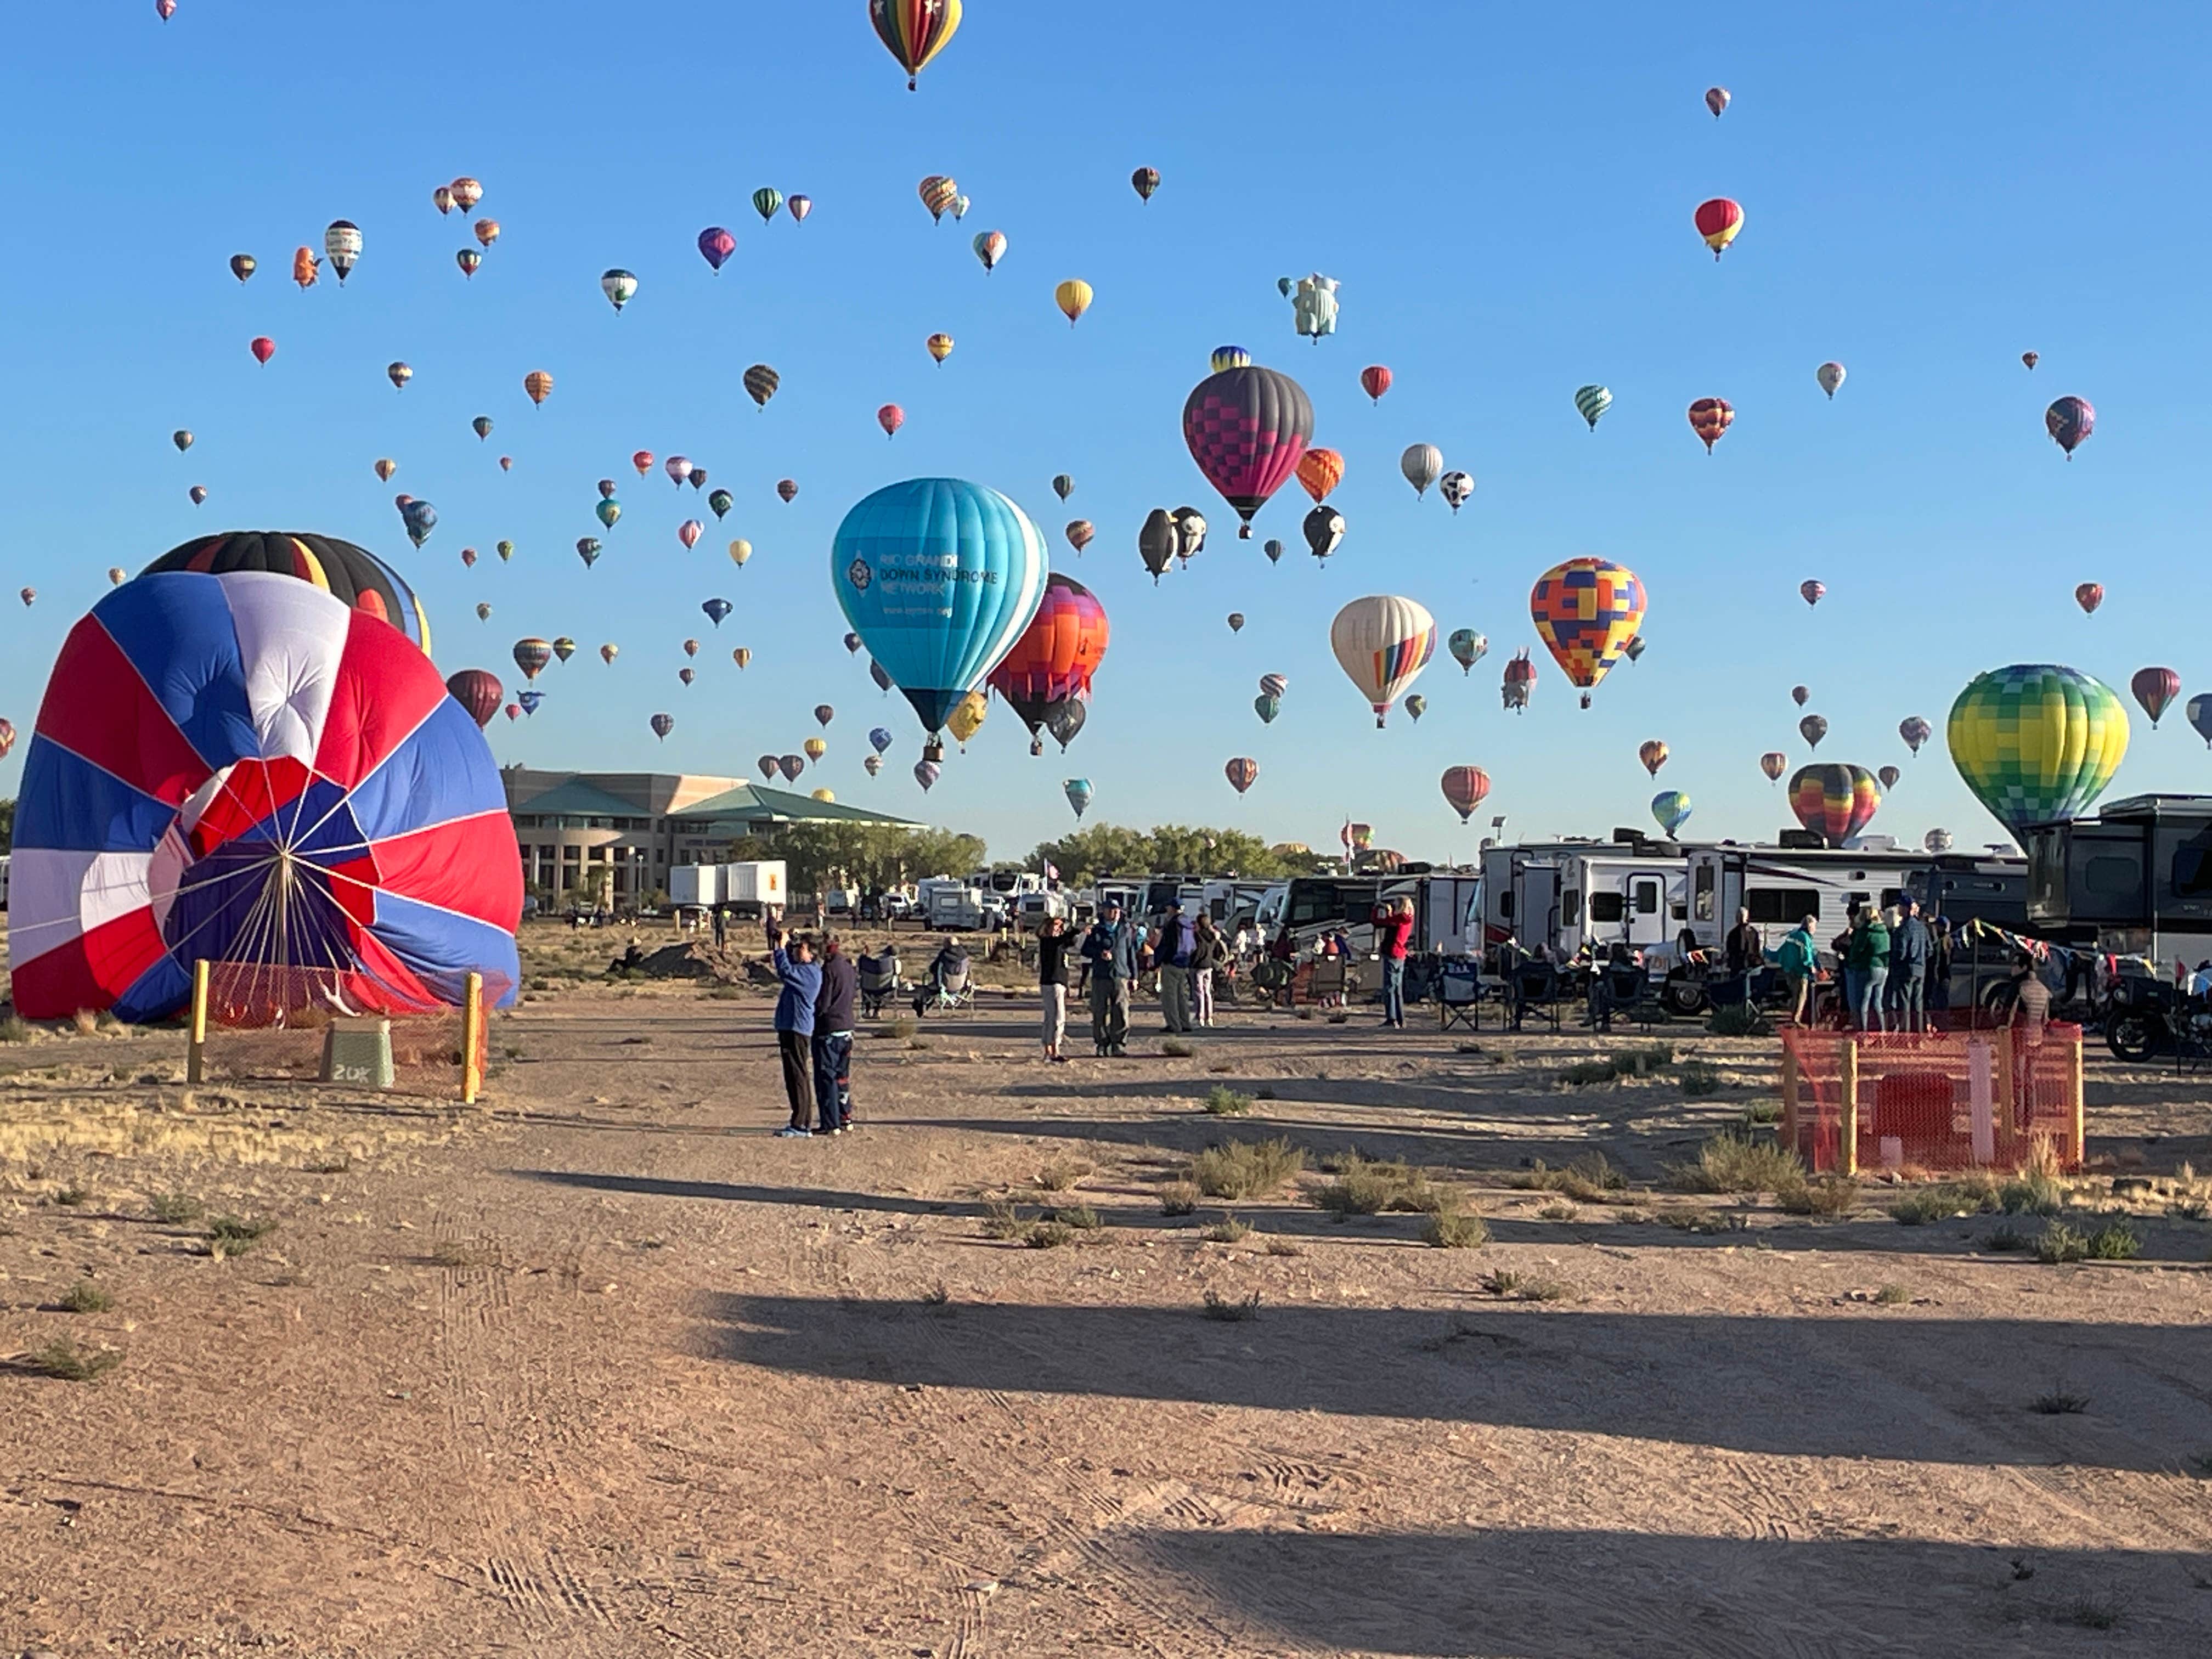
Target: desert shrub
<point>1080,1217</point>
<point>1061,1174</point>
<point>1222,1101</point>
<point>1891,1296</point>
<point>1454,1230</point>
<point>901,1028</point>
<point>174,1207</point>
<point>1246,1168</point>
<point>1362,1186</point>
<point>1001,1220</point>
<point>1521,1287</point>
<point>1232,1309</point>
<point>1705,1221</point>
<point>1047,1235</point>
<point>2060,1242</point>
<point>1227,1231</point>
<point>1177,1049</point>
<point>231,1235</point>
<point>1821,1195</point>
<point>1698,1081</point>
<point>1178,1198</point>
<point>1917,1209</point>
<point>1731,1163</point>
<point>2115,1243</point>
<point>2006,1237</point>
<point>85,1297</point>
<point>16,1029</point>
<point>1738,1019</point>
<point>1757,1113</point>
<point>64,1359</point>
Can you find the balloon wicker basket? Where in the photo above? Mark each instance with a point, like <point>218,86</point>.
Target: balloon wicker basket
<point>263,1022</point>
<point>1865,1101</point>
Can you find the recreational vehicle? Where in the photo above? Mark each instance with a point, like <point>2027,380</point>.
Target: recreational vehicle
<point>2135,880</point>
<point>1561,895</point>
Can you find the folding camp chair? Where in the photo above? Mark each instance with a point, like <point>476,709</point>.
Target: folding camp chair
<point>1459,993</point>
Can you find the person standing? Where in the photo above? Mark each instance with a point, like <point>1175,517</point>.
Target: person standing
<point>1798,957</point>
<point>1745,949</point>
<point>2031,997</point>
<point>1053,951</point>
<point>1174,943</point>
<point>1869,965</point>
<point>833,1041</point>
<point>1938,991</point>
<point>794,1024</point>
<point>1209,956</point>
<point>1110,968</point>
<point>1908,966</point>
<point>1393,933</point>
<point>721,927</point>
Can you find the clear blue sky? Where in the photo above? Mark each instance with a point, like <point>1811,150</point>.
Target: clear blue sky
<point>1505,196</point>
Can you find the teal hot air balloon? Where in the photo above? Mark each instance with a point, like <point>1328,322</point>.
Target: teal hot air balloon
<point>1266,706</point>
<point>938,577</point>
<point>1078,792</point>
<point>610,511</point>
<point>2037,742</point>
<point>1672,808</point>
<point>766,201</point>
<point>1590,402</point>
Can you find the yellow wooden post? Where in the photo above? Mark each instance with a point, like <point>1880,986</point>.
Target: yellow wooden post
<point>472,1038</point>
<point>2007,1101</point>
<point>1847,1084</point>
<point>196,1044</point>
<point>2080,1113</point>
<point>1788,1096</point>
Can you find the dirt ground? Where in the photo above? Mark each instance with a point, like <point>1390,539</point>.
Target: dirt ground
<point>600,1367</point>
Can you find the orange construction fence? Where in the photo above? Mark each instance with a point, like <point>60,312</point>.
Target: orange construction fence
<point>1870,1100</point>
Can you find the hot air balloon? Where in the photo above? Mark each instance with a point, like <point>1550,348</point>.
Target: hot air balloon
<point>1592,401</point>
<point>1801,695</point>
<point>1156,542</point>
<point>1520,681</point>
<point>1718,221</point>
<point>506,551</point>
<point>1144,181</point>
<point>2070,421</point>
<point>1653,754</point>
<point>2035,742</point>
<point>1375,380</point>
<point>1585,611</point>
<point>2089,596</point>
<point>880,739</point>
<point>7,737</point>
<point>243,265</point>
<point>1079,533</point>
<point>1237,622</point>
<point>342,243</point>
<point>1422,464</point>
<point>1709,418</point>
<point>1671,807</point>
<point>1274,549</point>
<point>182,439</point>
<point>469,260</point>
<point>1383,643</point>
<point>399,375</point>
<point>642,460</point>
<point>29,595</point>
<point>116,575</point>
<point>1456,488</point>
<point>716,245</point>
<point>914,31</point>
<point>1812,729</point>
<point>1227,357</point>
<point>385,468</point>
<point>1465,788</point>
<point>2199,715</point>
<point>766,201</point>
<point>720,503</point>
<point>1056,654</point>
<point>662,724</point>
<point>989,246</point>
<point>2031,359</point>
<point>487,231</point>
<point>769,767</point>
<point>1320,471</point>
<point>787,488</point>
<point>1417,705</point>
<point>483,612</point>
<point>926,772</point>
<point>587,549</point>
<point>1915,731</point>
<point>938,193</point>
<point>306,268</point>
<point>1716,100</point>
<point>529,701</point>
<point>1937,841</point>
<point>2155,689</point>
<point>1313,307</point>
<point>883,681</point>
<point>357,577</point>
<point>1074,299</point>
<point>741,550</point>
<point>198,493</point>
<point>505,463</point>
<point>967,718</point>
<point>187,799</point>
<point>1467,648</point>
<point>1324,530</point>
<point>970,570</point>
<point>263,348</point>
<point>481,426</point>
<point>442,198</point>
<point>1266,708</point>
<point>1274,685</point>
<point>619,286</point>
<point>938,346</point>
<point>688,532</point>
<point>852,644</point>
<point>538,385</point>
<point>1830,376</point>
<point>1774,763</point>
<point>1634,649</point>
<point>1887,777</point>
<point>678,468</point>
<point>716,609</point>
<point>530,656</point>
<point>1078,793</point>
<point>690,648</point>
<point>1812,592</point>
<point>890,418</point>
<point>1835,802</point>
<point>1243,773</point>
<point>798,207</point>
<point>609,653</point>
<point>1190,532</point>
<point>467,193</point>
<point>815,748</point>
<point>421,519</point>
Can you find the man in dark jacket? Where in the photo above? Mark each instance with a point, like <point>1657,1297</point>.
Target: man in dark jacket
<point>1174,942</point>
<point>1746,950</point>
<point>1110,969</point>
<point>1908,966</point>
<point>833,1041</point>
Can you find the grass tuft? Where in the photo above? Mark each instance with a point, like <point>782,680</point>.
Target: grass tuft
<point>1698,1081</point>
<point>1455,1230</point>
<point>900,1028</point>
<point>64,1360</point>
<point>1047,1235</point>
<point>2115,1243</point>
<point>1232,1310</point>
<point>14,1029</point>
<point>1731,1163</point>
<point>2006,1237</point>
<point>1521,1287</point>
<point>1061,1174</point>
<point>1222,1101</point>
<point>2089,1613</point>
<point>2060,1403</point>
<point>1705,1221</point>
<point>1891,1296</point>
<point>85,1297</point>
<point>1179,1198</point>
<point>1080,1217</point>
<point>1917,1209</point>
<point>1177,1049</point>
<point>174,1207</point>
<point>1002,1220</point>
<point>1246,1168</point>
<point>1828,1196</point>
<point>1365,1188</point>
<point>1227,1231</point>
<point>231,1235</point>
<point>1588,1180</point>
<point>1757,1113</point>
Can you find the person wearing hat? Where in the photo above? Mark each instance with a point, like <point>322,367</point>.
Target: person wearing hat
<point>1110,969</point>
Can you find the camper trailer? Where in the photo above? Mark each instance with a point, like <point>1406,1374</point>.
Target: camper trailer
<point>2135,880</point>
<point>1561,895</point>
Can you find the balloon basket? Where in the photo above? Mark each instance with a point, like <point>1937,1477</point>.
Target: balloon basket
<point>268,1023</point>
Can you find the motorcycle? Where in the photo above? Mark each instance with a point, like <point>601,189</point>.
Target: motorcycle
<point>2150,1017</point>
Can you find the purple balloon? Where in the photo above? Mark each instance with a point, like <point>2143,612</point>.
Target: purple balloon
<point>1247,429</point>
<point>716,245</point>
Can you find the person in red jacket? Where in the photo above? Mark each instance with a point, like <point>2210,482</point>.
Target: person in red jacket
<point>1393,933</point>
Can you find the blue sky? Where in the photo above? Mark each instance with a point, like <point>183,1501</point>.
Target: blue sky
<point>1505,196</point>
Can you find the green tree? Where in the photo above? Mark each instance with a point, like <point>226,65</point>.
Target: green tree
<point>1110,849</point>
<point>8,825</point>
<point>872,854</point>
<point>1103,849</point>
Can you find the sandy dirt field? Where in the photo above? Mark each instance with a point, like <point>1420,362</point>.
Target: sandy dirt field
<point>600,1368</point>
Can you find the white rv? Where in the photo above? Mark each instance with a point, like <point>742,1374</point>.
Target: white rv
<point>1563,895</point>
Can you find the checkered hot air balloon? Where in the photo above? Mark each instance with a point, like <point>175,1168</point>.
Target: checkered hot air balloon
<point>2037,742</point>
<point>1586,610</point>
<point>1834,801</point>
<point>244,768</point>
<point>1248,428</point>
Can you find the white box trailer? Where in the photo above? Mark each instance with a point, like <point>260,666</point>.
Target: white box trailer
<point>752,887</point>
<point>692,884</point>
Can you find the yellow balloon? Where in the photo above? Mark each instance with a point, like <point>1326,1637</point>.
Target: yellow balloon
<point>967,717</point>
<point>742,655</point>
<point>741,550</point>
<point>815,748</point>
<point>941,346</point>
<point>824,795</point>
<point>1073,298</point>
<point>609,653</point>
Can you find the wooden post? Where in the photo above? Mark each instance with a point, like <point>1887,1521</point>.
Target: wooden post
<point>472,1038</point>
<point>2079,1113</point>
<point>196,1044</point>
<point>2007,1101</point>
<point>1788,1096</point>
<point>1847,1082</point>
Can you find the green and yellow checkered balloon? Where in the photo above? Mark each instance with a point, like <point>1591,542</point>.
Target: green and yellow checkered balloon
<point>2037,742</point>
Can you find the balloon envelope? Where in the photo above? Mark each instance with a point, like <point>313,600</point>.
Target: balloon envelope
<point>1383,643</point>
<point>1465,788</point>
<point>1671,807</point>
<point>1248,428</point>
<point>1834,801</point>
<point>2037,742</point>
<point>1056,654</point>
<point>354,574</point>
<point>2155,689</point>
<point>1585,611</point>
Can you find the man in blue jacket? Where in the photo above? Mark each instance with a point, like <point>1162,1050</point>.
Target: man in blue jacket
<point>794,1025</point>
<point>1110,969</point>
<point>1908,966</point>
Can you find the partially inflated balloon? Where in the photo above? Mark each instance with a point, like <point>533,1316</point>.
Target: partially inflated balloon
<point>2035,742</point>
<point>2155,689</point>
<point>1671,807</point>
<point>1465,787</point>
<point>1383,643</point>
<point>1586,610</point>
<point>1835,802</point>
